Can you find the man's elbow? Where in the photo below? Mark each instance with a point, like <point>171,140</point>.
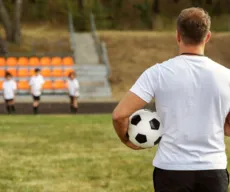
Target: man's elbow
<point>227,132</point>
<point>116,116</point>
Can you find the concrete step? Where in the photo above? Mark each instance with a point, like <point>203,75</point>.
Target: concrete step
<point>86,52</point>
<point>100,70</point>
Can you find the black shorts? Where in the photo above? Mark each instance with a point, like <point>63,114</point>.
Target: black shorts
<point>36,98</point>
<point>190,181</point>
<point>72,98</point>
<point>8,100</point>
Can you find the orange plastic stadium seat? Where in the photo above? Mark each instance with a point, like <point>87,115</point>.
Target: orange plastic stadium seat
<point>23,62</point>
<point>68,61</point>
<point>1,83</point>
<point>11,61</point>
<point>48,85</point>
<point>2,62</point>
<point>13,71</point>
<point>57,72</point>
<point>23,73</point>
<point>2,73</point>
<point>46,72</point>
<point>34,62</point>
<point>45,61</point>
<point>59,85</point>
<point>23,85</point>
<point>67,71</point>
<point>31,71</point>
<point>56,61</point>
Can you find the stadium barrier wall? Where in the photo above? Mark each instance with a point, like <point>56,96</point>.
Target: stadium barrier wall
<point>100,46</point>
<point>63,108</point>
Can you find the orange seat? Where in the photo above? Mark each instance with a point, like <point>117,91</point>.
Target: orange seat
<point>46,72</point>
<point>45,61</point>
<point>2,73</point>
<point>57,72</point>
<point>48,85</point>
<point>67,71</point>
<point>23,61</point>
<point>34,62</point>
<point>59,84</point>
<point>23,73</point>
<point>56,61</point>
<point>13,71</point>
<point>68,61</point>
<point>31,72</point>
<point>1,83</point>
<point>2,62</point>
<point>23,85</point>
<point>11,61</point>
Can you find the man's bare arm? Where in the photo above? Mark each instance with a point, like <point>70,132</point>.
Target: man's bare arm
<point>127,106</point>
<point>227,126</point>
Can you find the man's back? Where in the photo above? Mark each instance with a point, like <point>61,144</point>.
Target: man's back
<point>192,95</point>
<point>192,99</point>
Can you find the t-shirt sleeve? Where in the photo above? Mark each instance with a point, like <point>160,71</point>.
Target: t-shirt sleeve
<point>31,82</point>
<point>77,84</point>
<point>3,85</point>
<point>42,80</point>
<point>146,84</point>
<point>15,86</point>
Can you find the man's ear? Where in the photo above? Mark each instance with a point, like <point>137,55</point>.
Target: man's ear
<point>208,37</point>
<point>178,37</point>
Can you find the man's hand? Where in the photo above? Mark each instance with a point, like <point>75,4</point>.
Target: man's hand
<point>132,146</point>
<point>128,105</point>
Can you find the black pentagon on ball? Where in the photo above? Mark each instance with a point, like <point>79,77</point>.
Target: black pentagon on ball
<point>154,124</point>
<point>135,119</point>
<point>157,141</point>
<point>141,138</point>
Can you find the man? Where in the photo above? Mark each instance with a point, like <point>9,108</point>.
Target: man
<point>36,83</point>
<point>192,97</point>
<point>9,88</point>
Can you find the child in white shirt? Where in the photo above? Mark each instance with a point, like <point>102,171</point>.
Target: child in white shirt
<point>9,89</point>
<point>73,88</point>
<point>36,83</point>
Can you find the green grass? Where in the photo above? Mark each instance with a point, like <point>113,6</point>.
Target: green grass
<point>69,154</point>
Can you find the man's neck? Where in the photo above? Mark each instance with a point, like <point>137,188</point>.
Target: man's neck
<point>193,50</point>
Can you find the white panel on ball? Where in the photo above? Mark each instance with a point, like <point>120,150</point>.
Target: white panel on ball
<point>145,129</point>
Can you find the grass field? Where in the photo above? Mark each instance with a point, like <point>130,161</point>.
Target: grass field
<point>70,154</point>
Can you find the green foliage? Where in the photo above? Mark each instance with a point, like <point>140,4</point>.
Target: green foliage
<point>145,13</point>
<point>115,14</point>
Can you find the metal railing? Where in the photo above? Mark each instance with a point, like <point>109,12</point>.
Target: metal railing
<point>100,46</point>
<point>72,37</point>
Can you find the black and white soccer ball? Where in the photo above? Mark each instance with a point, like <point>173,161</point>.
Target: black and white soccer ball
<point>145,129</point>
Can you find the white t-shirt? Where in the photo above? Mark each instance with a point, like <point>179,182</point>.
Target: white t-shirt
<point>36,83</point>
<point>9,87</point>
<point>192,96</point>
<point>73,87</point>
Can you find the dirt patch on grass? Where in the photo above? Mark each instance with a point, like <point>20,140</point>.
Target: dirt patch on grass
<point>131,53</point>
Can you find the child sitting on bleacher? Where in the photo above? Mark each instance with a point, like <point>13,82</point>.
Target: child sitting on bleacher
<point>73,87</point>
<point>9,89</point>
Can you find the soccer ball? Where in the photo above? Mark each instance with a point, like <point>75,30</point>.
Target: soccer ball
<point>144,128</point>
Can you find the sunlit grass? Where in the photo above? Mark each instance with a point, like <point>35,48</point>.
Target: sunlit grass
<point>70,153</point>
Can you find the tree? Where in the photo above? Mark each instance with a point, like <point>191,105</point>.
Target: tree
<point>12,27</point>
<point>155,12</point>
<point>3,47</point>
<point>80,4</point>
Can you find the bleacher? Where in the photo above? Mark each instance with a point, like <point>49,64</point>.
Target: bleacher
<point>53,69</point>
